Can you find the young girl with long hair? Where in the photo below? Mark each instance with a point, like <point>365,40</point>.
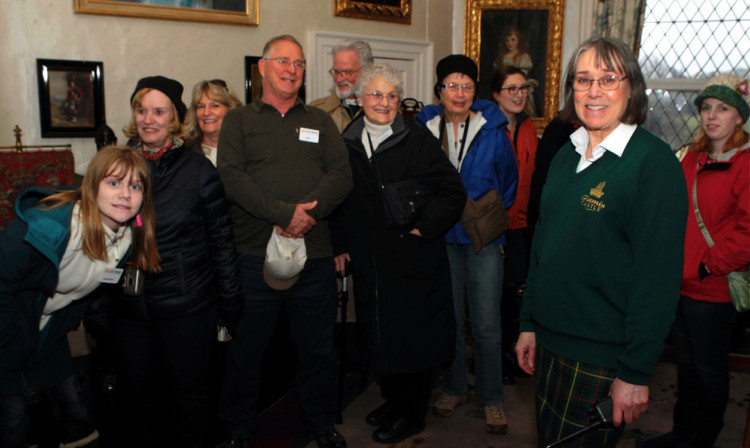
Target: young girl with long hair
<point>57,251</point>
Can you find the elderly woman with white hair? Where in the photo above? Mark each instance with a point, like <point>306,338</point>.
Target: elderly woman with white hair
<point>401,265</point>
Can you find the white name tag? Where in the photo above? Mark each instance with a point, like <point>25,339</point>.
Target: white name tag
<point>309,135</point>
<point>111,275</point>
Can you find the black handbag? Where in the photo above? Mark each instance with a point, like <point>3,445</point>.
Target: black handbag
<point>403,202</point>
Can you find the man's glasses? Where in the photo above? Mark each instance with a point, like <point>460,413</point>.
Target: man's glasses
<point>287,63</point>
<point>344,73</point>
<point>453,87</point>
<point>608,83</point>
<point>377,97</point>
<point>513,90</point>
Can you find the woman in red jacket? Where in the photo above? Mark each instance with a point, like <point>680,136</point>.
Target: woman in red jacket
<point>717,171</point>
<point>510,89</point>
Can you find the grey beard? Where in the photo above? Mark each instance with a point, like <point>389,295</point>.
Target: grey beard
<point>349,92</point>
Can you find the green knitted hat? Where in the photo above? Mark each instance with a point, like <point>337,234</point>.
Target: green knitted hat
<point>730,89</point>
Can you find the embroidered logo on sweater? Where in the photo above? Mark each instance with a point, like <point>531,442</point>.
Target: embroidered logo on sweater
<point>593,201</point>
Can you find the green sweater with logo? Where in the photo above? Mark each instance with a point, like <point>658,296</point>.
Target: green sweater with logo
<point>606,260</point>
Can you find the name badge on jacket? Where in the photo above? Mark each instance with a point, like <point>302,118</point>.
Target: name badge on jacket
<point>309,135</point>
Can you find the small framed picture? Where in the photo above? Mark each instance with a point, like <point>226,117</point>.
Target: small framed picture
<point>71,97</point>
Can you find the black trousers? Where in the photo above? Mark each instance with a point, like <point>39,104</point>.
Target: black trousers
<point>409,393</point>
<point>702,333</point>
<point>163,370</point>
<point>310,305</point>
<point>516,267</point>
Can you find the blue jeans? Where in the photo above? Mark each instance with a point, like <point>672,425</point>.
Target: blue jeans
<point>702,334</point>
<point>67,406</point>
<point>477,280</point>
<point>311,306</point>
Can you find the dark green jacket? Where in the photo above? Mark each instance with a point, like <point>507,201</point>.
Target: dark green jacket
<point>267,168</point>
<point>606,263</point>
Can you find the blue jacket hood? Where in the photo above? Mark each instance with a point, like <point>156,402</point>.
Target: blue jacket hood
<point>490,112</point>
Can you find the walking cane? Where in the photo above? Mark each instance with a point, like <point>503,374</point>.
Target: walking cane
<point>343,300</point>
<point>602,416</point>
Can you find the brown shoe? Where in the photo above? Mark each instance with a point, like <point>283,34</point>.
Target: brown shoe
<point>446,404</point>
<point>497,423</point>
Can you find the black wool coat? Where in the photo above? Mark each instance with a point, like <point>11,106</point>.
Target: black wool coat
<point>403,280</point>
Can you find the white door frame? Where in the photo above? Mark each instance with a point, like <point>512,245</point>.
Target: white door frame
<point>416,56</point>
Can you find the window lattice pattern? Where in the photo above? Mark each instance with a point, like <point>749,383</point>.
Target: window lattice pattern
<point>673,114</point>
<point>695,39</point>
<point>690,39</point>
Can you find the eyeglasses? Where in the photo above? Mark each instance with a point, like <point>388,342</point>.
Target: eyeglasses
<point>453,87</point>
<point>611,82</point>
<point>287,63</point>
<point>377,97</point>
<point>344,73</point>
<point>513,90</point>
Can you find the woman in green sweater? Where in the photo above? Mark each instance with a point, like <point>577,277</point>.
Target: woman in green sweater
<point>606,258</point>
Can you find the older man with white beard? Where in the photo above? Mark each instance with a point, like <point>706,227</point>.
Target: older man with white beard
<point>349,57</point>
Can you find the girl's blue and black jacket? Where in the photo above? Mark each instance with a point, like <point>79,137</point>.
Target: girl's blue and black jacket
<point>31,248</point>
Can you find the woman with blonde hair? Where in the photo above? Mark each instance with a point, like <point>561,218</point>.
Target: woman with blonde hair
<point>57,251</point>
<point>211,101</point>
<point>165,334</point>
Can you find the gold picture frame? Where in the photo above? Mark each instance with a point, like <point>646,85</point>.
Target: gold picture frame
<point>235,12</point>
<point>398,11</point>
<point>542,21</point>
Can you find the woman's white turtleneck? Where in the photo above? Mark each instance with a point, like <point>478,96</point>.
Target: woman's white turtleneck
<point>377,134</point>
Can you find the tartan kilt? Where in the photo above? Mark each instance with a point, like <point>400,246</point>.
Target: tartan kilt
<point>565,391</point>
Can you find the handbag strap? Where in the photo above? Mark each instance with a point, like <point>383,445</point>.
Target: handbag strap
<point>701,225</point>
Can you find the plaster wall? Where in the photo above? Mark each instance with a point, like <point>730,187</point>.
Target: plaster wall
<point>131,48</point>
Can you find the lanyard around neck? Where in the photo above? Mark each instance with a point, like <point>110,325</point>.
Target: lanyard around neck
<point>443,140</point>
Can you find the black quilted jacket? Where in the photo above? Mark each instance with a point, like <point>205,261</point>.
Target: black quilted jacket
<point>195,241</point>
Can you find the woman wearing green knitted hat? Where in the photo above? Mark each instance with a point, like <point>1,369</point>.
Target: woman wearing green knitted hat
<point>717,171</point>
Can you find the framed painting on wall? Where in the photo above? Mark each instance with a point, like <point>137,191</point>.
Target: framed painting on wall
<point>398,11</point>
<point>71,97</point>
<point>523,33</point>
<point>236,12</point>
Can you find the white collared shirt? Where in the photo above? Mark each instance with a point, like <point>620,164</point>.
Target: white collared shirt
<point>615,143</point>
